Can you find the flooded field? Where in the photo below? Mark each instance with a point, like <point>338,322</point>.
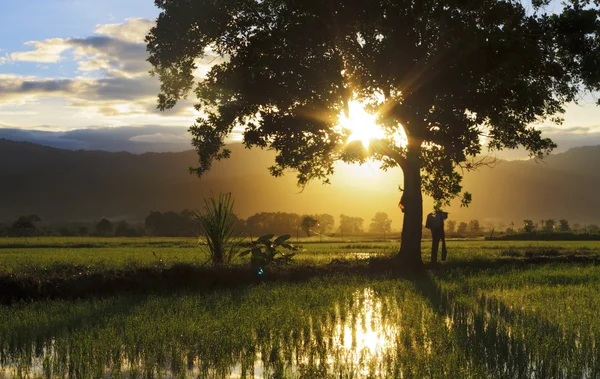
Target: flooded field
<point>522,322</point>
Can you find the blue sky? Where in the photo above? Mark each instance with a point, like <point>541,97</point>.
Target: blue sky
<point>80,64</point>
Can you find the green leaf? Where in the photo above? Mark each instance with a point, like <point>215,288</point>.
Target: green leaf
<point>281,239</point>
<point>266,237</point>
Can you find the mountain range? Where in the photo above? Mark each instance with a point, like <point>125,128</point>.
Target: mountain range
<point>83,185</point>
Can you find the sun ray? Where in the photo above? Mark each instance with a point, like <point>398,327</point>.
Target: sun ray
<point>361,124</point>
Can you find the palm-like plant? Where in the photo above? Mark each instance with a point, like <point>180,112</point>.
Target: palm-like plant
<point>218,227</point>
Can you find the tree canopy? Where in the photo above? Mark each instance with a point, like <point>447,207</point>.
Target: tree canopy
<point>445,77</point>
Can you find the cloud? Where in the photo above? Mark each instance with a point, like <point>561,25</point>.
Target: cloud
<point>47,51</point>
<point>111,82</point>
<point>14,85</point>
<point>132,30</point>
<point>568,130</point>
<point>161,138</point>
<point>110,54</point>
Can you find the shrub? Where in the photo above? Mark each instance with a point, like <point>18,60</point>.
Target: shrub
<point>263,252</point>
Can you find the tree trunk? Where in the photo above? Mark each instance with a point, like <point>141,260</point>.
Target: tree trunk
<point>412,200</point>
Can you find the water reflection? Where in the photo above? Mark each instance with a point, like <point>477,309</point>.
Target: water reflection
<point>400,329</point>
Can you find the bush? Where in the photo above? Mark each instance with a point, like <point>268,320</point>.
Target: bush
<point>264,250</point>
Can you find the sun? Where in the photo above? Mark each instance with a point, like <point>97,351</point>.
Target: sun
<point>361,124</point>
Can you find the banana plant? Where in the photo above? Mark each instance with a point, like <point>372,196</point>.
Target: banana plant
<point>264,251</point>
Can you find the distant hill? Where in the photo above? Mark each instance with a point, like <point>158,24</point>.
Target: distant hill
<point>87,185</point>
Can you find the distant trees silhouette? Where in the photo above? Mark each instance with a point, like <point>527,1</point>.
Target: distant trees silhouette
<point>25,225</point>
<point>172,224</point>
<point>549,225</point>
<point>381,223</point>
<point>462,228</point>
<point>104,227</point>
<point>273,222</point>
<point>450,226</point>
<point>351,225</point>
<point>307,224</point>
<point>563,225</point>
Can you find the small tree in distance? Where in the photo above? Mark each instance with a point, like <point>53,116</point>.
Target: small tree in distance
<point>528,226</point>
<point>451,226</point>
<point>563,226</point>
<point>104,227</point>
<point>549,225</point>
<point>381,223</point>
<point>307,224</point>
<point>462,228</point>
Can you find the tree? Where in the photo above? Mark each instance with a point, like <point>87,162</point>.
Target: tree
<point>528,226</point>
<point>273,222</point>
<point>381,223</point>
<point>26,225</point>
<point>307,224</point>
<point>593,229</point>
<point>549,225</point>
<point>326,222</point>
<point>563,225</point>
<point>349,224</point>
<point>474,227</point>
<point>440,76</point>
<point>104,227</point>
<point>462,228</point>
<point>451,226</point>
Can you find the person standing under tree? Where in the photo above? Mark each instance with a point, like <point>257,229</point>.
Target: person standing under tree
<point>435,222</point>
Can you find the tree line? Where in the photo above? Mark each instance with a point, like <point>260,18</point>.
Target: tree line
<point>187,224</point>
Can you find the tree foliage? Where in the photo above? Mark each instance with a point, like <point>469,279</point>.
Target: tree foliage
<point>308,223</point>
<point>381,223</point>
<point>350,224</point>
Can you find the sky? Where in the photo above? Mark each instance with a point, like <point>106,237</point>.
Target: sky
<point>73,74</point>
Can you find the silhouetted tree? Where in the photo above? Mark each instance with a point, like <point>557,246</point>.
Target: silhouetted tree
<point>381,223</point>
<point>563,225</point>
<point>326,222</point>
<point>462,228</point>
<point>307,224</point>
<point>349,224</point>
<point>104,227</point>
<point>123,229</point>
<point>549,225</point>
<point>474,227</point>
<point>83,231</point>
<point>441,74</point>
<point>172,224</point>
<point>450,226</point>
<point>593,229</point>
<point>273,222</point>
<point>528,226</point>
<point>25,225</point>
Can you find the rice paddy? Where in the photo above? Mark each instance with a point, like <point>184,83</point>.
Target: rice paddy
<point>493,310</point>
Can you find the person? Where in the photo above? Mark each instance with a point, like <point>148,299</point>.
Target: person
<point>435,222</point>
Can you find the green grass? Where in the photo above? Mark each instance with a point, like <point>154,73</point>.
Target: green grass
<point>492,311</point>
<point>98,254</point>
<point>525,322</point>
